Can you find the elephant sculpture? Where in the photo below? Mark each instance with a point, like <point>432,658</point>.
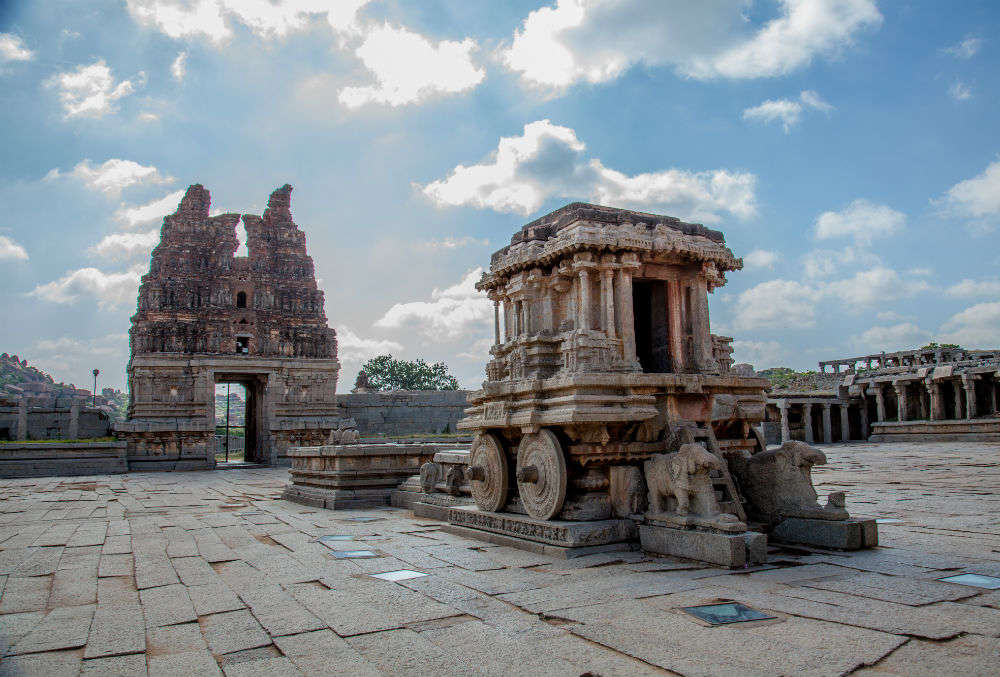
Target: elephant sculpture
<point>680,486</point>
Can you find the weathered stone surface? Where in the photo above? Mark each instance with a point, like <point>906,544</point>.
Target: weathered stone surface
<point>553,532</point>
<point>324,653</point>
<point>233,631</point>
<point>728,550</point>
<point>850,534</point>
<point>62,628</point>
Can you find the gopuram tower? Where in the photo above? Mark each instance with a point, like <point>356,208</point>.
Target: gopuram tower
<point>206,316</point>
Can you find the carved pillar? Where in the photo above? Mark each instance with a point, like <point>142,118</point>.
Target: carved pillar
<point>608,301</point>
<point>969,383</point>
<point>925,403</point>
<point>626,313</point>
<point>22,418</point>
<point>900,401</point>
<point>786,433</point>
<point>827,424</point>
<point>937,400</point>
<point>548,318</point>
<point>807,419</point>
<point>958,399</point>
<point>864,419</point>
<point>879,403</point>
<point>583,311</point>
<point>700,327</point>
<point>508,325</point>
<point>674,326</point>
<point>993,396</point>
<point>74,421</point>
<point>496,322</point>
<point>845,423</point>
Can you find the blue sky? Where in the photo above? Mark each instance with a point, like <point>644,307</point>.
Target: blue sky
<point>848,149</point>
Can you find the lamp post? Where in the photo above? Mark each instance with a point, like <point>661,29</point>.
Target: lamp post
<point>94,401</point>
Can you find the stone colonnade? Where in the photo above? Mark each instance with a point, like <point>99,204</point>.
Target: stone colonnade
<point>806,409</point>
<point>925,399</point>
<point>591,292</point>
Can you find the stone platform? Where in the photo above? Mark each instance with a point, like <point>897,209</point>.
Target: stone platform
<point>353,475</point>
<point>556,537</point>
<point>205,573</point>
<point>734,551</point>
<point>965,430</point>
<point>45,459</point>
<point>850,534</point>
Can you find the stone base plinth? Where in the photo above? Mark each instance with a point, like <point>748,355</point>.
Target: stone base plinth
<point>55,459</point>
<point>850,534</point>
<point>553,537</point>
<point>960,430</point>
<point>728,550</point>
<point>353,475</point>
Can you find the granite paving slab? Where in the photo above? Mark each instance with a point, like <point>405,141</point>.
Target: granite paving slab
<point>188,664</point>
<point>62,628</point>
<point>48,664</point>
<point>233,631</point>
<point>116,630</point>
<point>324,653</point>
<point>968,655</point>
<point>899,589</point>
<point>25,594</point>
<point>166,605</point>
<point>133,665</point>
<point>278,612</point>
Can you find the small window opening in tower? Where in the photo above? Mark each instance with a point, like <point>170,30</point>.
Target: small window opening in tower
<point>241,237</point>
<point>242,345</point>
<point>241,299</point>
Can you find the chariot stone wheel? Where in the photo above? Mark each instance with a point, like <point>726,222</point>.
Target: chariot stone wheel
<point>541,474</point>
<point>488,475</point>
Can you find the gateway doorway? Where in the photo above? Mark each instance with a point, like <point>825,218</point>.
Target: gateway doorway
<point>242,435</point>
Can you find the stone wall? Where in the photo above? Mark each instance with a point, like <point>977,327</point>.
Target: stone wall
<point>54,423</point>
<point>40,459</point>
<point>405,412</point>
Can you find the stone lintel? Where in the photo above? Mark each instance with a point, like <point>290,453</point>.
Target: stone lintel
<point>553,532</point>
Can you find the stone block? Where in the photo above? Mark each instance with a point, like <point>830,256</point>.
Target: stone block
<point>728,550</point>
<point>851,534</point>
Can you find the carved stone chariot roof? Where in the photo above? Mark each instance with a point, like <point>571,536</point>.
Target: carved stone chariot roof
<point>580,226</point>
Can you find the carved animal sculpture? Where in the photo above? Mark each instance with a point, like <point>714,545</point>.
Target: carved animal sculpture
<point>778,483</point>
<point>430,475</point>
<point>680,482</point>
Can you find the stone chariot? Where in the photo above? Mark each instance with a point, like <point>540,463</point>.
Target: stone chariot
<point>603,362</point>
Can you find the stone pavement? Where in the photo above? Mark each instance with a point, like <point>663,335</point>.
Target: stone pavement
<point>208,573</point>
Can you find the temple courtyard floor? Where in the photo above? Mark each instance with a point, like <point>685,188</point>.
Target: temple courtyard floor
<point>205,573</point>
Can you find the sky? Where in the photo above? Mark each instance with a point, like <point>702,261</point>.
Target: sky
<point>848,149</point>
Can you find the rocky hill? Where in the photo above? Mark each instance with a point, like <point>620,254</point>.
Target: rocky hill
<point>19,379</point>
<point>789,380</point>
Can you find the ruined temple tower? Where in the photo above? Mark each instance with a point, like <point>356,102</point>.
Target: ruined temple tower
<point>206,316</point>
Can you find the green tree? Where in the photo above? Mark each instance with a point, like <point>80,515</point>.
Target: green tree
<point>386,373</point>
<point>933,345</point>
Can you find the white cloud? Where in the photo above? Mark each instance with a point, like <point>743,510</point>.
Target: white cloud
<point>966,49</point>
<point>451,312</point>
<point>124,246</point>
<point>179,66</point>
<point>146,116</point>
<point>354,348</point>
<point>903,336</point>
<point>409,68</point>
<point>91,91</point>
<point>151,211</point>
<point>761,354</point>
<point>112,176</point>
<point>789,113</point>
<point>960,91</point>
<point>12,48</point>
<point>597,40</point>
<point>549,161</point>
<point>478,350</point>
<point>872,287</point>
<point>977,326</point>
<point>111,344</point>
<point>824,263</point>
<point>890,316</point>
<point>11,251</point>
<point>111,290</point>
<point>269,19</point>
<point>453,243</point>
<point>760,258</point>
<point>977,199</point>
<point>777,304</point>
<point>862,220</point>
<point>972,288</point>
